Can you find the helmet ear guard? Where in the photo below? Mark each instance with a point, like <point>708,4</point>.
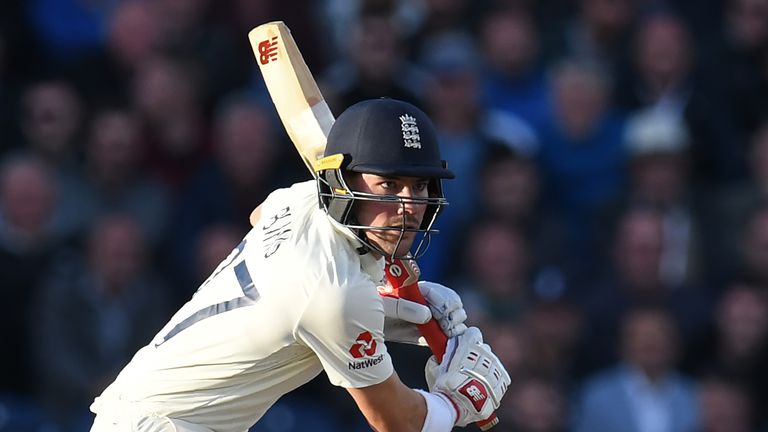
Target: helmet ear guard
<point>335,196</point>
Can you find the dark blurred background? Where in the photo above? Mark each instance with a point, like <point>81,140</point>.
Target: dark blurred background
<point>608,227</point>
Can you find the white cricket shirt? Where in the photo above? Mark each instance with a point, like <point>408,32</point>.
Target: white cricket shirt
<point>292,299</point>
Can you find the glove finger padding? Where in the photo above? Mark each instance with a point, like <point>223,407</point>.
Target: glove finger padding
<point>470,375</point>
<point>405,310</point>
<point>446,307</point>
<point>452,324</point>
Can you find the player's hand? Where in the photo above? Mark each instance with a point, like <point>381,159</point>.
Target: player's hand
<point>446,307</point>
<point>402,316</point>
<point>471,376</point>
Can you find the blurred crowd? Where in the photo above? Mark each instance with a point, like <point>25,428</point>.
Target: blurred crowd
<point>608,227</point>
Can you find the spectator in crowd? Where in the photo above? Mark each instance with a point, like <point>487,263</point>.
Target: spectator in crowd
<point>664,74</point>
<point>27,248</point>
<point>643,393</point>
<point>514,79</point>
<point>509,188</point>
<point>735,60</point>
<point>510,192</point>
<point>554,326</point>
<point>635,279</point>
<point>663,63</point>
<point>377,65</point>
<point>497,271</point>
<point>168,99</point>
<point>53,123</point>
<point>93,316</point>
<point>581,160</point>
<point>337,17</point>
<point>52,119</point>
<point>511,343</point>
<point>114,178</point>
<point>734,204</point>
<point>724,406</point>
<point>738,349</point>
<point>452,101</point>
<point>195,32</point>
<point>443,17</point>
<point>601,33</point>
<point>658,145</point>
<point>535,405</point>
<point>131,36</point>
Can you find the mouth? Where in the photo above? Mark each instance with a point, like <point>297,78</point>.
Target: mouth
<point>394,233</point>
<point>408,223</point>
<point>405,229</point>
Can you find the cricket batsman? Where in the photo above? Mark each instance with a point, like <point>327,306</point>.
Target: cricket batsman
<point>299,295</point>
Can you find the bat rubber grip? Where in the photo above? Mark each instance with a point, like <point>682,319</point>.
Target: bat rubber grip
<point>488,423</point>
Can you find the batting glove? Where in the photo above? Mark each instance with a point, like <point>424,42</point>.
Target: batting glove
<point>471,376</point>
<point>443,304</point>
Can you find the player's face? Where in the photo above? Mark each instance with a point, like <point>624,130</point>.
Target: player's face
<point>387,214</point>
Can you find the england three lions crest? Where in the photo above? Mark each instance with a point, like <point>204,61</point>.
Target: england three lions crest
<point>411,137</point>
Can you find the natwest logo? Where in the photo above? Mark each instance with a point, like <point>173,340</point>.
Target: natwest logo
<point>363,346</point>
<point>476,393</point>
<point>267,50</point>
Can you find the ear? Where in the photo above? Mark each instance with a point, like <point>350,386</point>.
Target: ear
<point>255,215</point>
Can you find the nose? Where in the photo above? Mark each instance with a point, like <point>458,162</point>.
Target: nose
<point>407,207</point>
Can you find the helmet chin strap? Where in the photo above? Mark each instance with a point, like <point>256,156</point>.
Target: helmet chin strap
<point>365,245</point>
<point>364,248</point>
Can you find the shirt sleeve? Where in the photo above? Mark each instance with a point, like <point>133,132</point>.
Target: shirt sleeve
<point>343,325</point>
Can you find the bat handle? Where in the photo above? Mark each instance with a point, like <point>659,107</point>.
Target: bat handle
<point>436,339</point>
<point>403,278</point>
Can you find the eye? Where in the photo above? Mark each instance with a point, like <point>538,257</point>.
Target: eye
<point>387,185</point>
<point>421,186</point>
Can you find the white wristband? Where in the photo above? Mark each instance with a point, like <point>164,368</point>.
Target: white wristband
<point>441,415</point>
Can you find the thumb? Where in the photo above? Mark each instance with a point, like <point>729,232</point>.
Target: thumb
<point>413,312</point>
<point>406,310</point>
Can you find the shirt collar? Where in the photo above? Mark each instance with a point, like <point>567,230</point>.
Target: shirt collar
<point>374,267</point>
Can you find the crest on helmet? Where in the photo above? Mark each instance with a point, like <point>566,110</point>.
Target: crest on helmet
<point>410,130</point>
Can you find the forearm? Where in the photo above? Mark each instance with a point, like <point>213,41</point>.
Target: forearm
<point>407,415</point>
<point>391,406</point>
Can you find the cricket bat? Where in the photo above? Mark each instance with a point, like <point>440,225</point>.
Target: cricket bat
<point>299,103</point>
<point>307,120</point>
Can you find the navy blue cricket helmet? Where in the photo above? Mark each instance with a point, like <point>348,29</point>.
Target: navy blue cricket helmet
<point>390,138</point>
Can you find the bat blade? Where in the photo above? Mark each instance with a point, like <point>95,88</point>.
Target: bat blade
<point>297,99</point>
